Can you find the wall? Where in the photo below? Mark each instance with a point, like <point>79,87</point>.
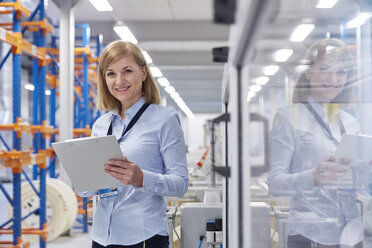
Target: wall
<point>194,130</point>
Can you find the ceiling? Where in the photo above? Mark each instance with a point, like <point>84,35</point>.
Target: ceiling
<point>274,30</point>
<point>287,14</point>
<point>179,36</point>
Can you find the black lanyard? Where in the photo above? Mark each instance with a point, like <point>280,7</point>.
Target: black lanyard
<point>131,123</point>
<point>323,124</point>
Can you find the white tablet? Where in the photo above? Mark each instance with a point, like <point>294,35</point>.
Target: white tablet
<point>83,161</point>
<point>355,147</point>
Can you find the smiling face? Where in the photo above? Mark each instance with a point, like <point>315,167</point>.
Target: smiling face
<point>327,78</point>
<point>124,79</point>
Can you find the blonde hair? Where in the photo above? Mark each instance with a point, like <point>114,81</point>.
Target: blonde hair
<point>327,47</point>
<point>113,51</point>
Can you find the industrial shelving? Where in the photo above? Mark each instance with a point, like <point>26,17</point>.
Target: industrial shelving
<point>12,33</point>
<point>84,92</point>
<point>43,59</point>
<point>85,61</point>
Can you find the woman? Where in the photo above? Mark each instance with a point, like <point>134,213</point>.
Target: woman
<point>154,161</point>
<point>323,208</point>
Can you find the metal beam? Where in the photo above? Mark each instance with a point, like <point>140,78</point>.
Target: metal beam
<point>66,51</point>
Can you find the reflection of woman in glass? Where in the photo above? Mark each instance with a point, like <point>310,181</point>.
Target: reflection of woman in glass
<point>323,208</point>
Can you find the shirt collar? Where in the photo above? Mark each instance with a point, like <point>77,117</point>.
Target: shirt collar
<point>115,112</point>
<point>131,111</point>
<point>134,108</point>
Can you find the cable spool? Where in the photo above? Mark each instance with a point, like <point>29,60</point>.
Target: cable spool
<point>61,208</point>
<point>71,200</point>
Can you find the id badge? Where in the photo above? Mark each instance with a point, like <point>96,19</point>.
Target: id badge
<point>106,193</point>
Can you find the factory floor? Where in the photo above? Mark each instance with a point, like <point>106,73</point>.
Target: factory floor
<point>75,240</point>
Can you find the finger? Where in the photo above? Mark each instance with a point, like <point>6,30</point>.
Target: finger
<point>120,163</point>
<point>122,178</point>
<point>116,172</point>
<point>114,168</point>
<point>123,171</point>
<point>331,158</point>
<point>345,160</point>
<point>340,170</point>
<point>113,161</point>
<point>343,171</point>
<point>347,166</point>
<point>117,169</point>
<point>126,159</point>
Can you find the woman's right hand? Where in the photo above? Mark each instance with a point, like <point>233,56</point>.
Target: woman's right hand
<point>331,170</point>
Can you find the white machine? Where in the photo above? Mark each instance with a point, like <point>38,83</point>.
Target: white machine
<point>194,217</point>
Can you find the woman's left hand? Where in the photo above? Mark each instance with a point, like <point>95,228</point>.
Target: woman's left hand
<point>331,171</point>
<point>125,171</point>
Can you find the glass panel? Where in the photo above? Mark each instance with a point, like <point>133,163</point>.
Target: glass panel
<point>314,90</point>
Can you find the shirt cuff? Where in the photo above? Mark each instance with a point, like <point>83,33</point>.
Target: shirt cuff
<point>150,181</point>
<point>306,179</point>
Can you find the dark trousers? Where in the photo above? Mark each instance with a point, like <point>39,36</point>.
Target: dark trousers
<point>158,241</point>
<point>299,241</point>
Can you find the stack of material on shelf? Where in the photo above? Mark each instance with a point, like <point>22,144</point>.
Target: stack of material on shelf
<point>61,208</point>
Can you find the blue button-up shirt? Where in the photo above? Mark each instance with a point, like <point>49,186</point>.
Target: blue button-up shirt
<point>156,144</point>
<point>324,214</point>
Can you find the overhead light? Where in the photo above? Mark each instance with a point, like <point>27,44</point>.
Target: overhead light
<point>255,88</point>
<point>301,32</point>
<point>125,34</point>
<point>147,57</point>
<point>262,80</point>
<point>170,89</point>
<point>326,4</point>
<point>357,21</point>
<point>251,94</point>
<point>283,55</point>
<point>163,81</point>
<point>189,114</point>
<point>155,71</point>
<point>187,111</point>
<point>179,101</point>
<point>174,95</point>
<point>48,92</point>
<point>30,87</point>
<point>101,5</point>
<point>271,70</point>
